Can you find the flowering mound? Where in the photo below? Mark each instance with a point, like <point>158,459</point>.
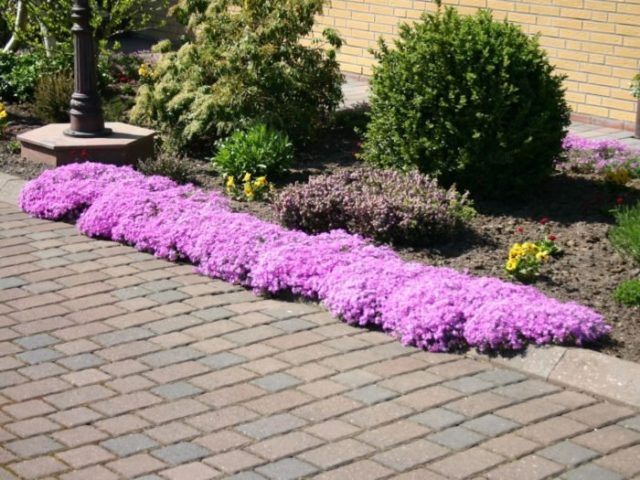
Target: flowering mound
<point>602,156</point>
<point>438,309</point>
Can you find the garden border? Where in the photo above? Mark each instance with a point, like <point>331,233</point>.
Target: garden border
<point>592,372</point>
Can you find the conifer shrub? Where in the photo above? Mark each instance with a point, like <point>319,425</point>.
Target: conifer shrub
<point>469,99</point>
<point>247,63</point>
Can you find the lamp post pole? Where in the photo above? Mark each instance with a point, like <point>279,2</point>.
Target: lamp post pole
<point>86,109</point>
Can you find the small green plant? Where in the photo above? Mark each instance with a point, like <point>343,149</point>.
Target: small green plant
<point>176,168</point>
<point>258,151</point>
<point>248,189</point>
<point>52,95</point>
<point>628,293</point>
<point>635,86</point>
<point>625,234</point>
<point>525,259</point>
<point>116,109</point>
<point>14,146</point>
<point>469,99</point>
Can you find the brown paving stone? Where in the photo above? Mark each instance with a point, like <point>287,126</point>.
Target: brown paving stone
<point>172,432</point>
<point>179,371</point>
<point>408,382</point>
<point>327,408</point>
<point>85,377</point>
<point>75,416</point>
<point>466,464</point>
<point>222,441</point>
<point>375,415</point>
<point>551,430</point>
<point>32,426</point>
<point>97,472</point>
<point>284,445</point>
<point>600,414</point>
<point>79,396</point>
<point>38,467</point>
<point>410,455</point>
<point>360,469</point>
<point>527,468</point>
<point>332,430</point>
<point>222,378</point>
<point>623,461</point>
<point>36,389</point>
<point>191,471</point>
<point>264,366</point>
<point>531,411</point>
<point>122,424</point>
<point>31,408</point>
<point>234,461</point>
<point>172,411</point>
<point>278,402</point>
<point>323,388</point>
<point>85,456</point>
<point>77,436</point>
<point>607,439</point>
<point>429,397</point>
<point>393,434</point>
<point>136,465</point>
<point>231,395</point>
<point>223,418</point>
<point>510,446</point>
<point>422,474</point>
<point>335,454</point>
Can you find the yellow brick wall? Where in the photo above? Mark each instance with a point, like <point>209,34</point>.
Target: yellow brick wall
<point>595,42</point>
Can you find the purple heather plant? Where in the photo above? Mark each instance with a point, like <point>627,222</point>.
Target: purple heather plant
<point>386,205</point>
<point>583,155</point>
<point>438,309</point>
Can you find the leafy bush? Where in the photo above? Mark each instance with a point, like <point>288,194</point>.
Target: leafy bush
<point>625,234</point>
<point>387,205</point>
<point>20,72</point>
<point>257,151</point>
<point>628,293</point>
<point>52,96</point>
<point>246,64</point>
<point>470,100</point>
<point>176,168</point>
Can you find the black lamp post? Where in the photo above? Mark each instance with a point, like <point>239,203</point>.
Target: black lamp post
<point>86,109</point>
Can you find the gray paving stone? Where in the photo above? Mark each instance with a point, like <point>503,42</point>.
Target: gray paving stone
<point>527,389</point>
<point>371,394</point>
<point>567,453</point>
<point>222,360</point>
<point>246,476</point>
<point>438,418</point>
<point>127,335</point>
<point>82,361</point>
<point>632,423</point>
<point>469,385</point>
<point>287,469</point>
<point>131,292</point>
<point>252,335</point>
<point>167,296</point>
<point>591,472</point>
<point>172,324</point>
<point>501,376</point>
<point>174,391</point>
<point>39,355</point>
<point>457,438</point>
<point>181,453</point>
<point>276,382</point>
<point>169,357</point>
<point>491,425</point>
<point>36,341</point>
<point>294,325</point>
<point>160,285</point>
<point>269,426</point>
<point>214,313</point>
<point>355,378</point>
<point>129,444</point>
<point>11,282</point>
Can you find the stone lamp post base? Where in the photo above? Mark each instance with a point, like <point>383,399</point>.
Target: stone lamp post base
<point>124,146</point>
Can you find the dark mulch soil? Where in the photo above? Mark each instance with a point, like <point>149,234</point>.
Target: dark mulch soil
<point>577,207</point>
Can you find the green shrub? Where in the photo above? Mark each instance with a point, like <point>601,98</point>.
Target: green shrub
<point>246,64</point>
<point>628,293</point>
<point>625,234</point>
<point>469,99</point>
<point>258,151</point>
<point>176,168</point>
<point>52,96</point>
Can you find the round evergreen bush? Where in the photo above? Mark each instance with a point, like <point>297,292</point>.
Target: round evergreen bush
<point>468,99</point>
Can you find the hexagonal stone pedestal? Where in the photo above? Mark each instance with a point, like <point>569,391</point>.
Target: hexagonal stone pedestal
<point>126,145</point>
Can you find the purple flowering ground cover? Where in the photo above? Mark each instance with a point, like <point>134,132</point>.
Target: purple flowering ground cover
<point>439,309</point>
<point>584,155</point>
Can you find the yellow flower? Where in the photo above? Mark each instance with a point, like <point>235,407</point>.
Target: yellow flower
<point>248,190</point>
<point>144,71</point>
<point>542,256</point>
<point>512,265</point>
<point>260,181</point>
<point>247,177</point>
<point>231,182</point>
<point>516,251</point>
<point>530,248</point>
<point>3,114</point>
<point>2,107</point>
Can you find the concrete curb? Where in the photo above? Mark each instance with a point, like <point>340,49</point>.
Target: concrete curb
<point>592,372</point>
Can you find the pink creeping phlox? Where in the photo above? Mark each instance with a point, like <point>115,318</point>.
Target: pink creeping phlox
<point>438,309</point>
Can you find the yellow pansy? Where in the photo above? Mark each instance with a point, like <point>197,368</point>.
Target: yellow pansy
<point>231,182</point>
<point>542,256</point>
<point>144,71</point>
<point>260,181</point>
<point>248,190</point>
<point>247,177</point>
<point>512,264</point>
<point>3,114</point>
<point>516,251</point>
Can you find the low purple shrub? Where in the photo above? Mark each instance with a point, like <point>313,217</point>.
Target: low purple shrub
<point>434,308</point>
<point>386,205</point>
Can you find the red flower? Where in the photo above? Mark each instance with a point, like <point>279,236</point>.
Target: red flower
<point>552,238</point>
<point>544,221</point>
<point>84,153</point>
<point>520,230</point>
<point>620,200</point>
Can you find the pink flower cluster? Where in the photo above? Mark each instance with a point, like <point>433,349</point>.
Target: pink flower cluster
<point>439,309</point>
<point>584,155</point>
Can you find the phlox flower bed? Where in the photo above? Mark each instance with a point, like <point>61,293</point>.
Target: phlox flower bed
<point>438,309</point>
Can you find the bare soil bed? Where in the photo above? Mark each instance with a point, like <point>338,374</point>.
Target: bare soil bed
<point>578,213</point>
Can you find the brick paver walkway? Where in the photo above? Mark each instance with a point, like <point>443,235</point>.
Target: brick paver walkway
<point>118,365</point>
